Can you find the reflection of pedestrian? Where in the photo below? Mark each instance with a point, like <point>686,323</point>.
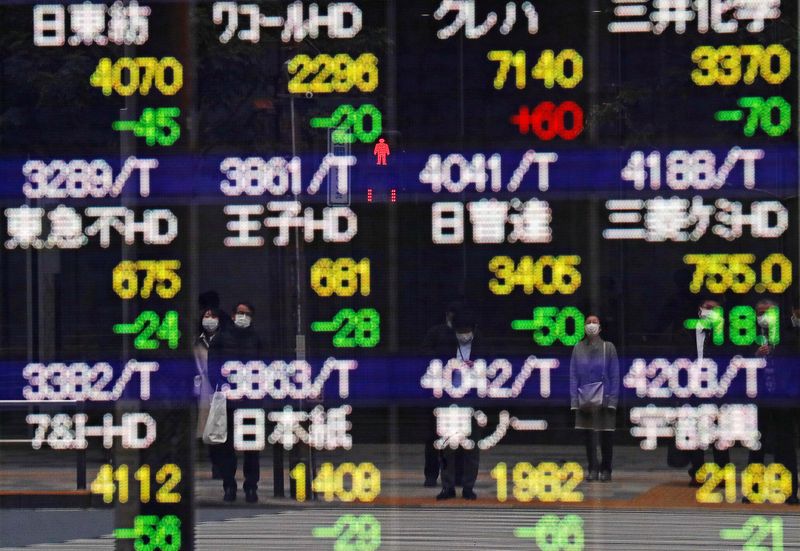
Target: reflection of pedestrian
<point>777,424</point>
<point>594,361</point>
<point>709,316</point>
<point>239,342</point>
<point>465,347</point>
<point>439,339</point>
<point>209,337</point>
<point>381,151</point>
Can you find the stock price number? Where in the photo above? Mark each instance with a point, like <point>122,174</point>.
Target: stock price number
<point>564,69</point>
<point>153,533</point>
<point>755,531</point>
<point>159,274</point>
<point>157,125</point>
<point>352,533</point>
<point>353,328</point>
<point>546,482</point>
<point>150,329</point>
<point>550,324</point>
<point>725,65</point>
<point>719,273</point>
<point>342,277</point>
<point>347,482</point>
<point>129,75</point>
<point>555,534</point>
<point>346,118</point>
<point>546,275</point>
<point>338,73</point>
<point>743,330</point>
<point>760,484</point>
<point>111,482</point>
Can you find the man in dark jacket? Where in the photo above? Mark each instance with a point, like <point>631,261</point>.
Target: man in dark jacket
<point>438,337</point>
<point>709,313</point>
<point>776,422</point>
<point>238,343</point>
<point>463,346</point>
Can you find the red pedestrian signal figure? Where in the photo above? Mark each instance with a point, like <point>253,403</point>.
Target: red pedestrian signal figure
<point>381,151</point>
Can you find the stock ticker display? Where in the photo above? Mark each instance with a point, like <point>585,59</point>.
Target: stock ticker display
<point>330,181</point>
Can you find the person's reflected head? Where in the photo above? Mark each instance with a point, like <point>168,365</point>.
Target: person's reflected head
<point>592,325</point>
<point>210,320</point>
<point>706,308</point>
<point>762,307</point>
<point>452,309</point>
<point>464,325</point>
<point>243,315</point>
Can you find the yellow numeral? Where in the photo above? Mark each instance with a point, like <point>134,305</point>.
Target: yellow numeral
<point>168,475</point>
<point>142,475</point>
<point>726,65</point>
<point>547,274</point>
<point>338,73</point>
<point>564,69</point>
<point>161,274</point>
<point>341,277</point>
<point>719,273</point>
<point>500,473</point>
<point>130,75</point>
<point>760,484</point>
<point>298,473</point>
<point>546,482</point>
<point>348,482</point>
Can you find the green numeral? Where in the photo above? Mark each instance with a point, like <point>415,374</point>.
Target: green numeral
<point>147,324</point>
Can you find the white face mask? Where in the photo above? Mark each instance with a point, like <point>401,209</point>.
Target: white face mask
<point>464,338</point>
<point>242,321</point>
<point>592,329</point>
<point>763,321</point>
<point>705,313</point>
<point>210,324</point>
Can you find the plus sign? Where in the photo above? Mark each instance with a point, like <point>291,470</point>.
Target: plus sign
<point>522,119</point>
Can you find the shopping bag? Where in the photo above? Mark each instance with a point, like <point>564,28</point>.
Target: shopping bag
<point>216,431</point>
<point>203,408</point>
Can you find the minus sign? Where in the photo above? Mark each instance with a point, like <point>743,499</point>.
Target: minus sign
<point>125,533</point>
<point>732,115</point>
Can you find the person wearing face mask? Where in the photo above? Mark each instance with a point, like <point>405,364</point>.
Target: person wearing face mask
<point>242,337</point>
<point>238,342</point>
<point>209,337</point>
<point>709,313</point>
<point>777,424</point>
<point>439,338</point>
<point>210,331</point>
<point>465,346</point>
<point>594,393</point>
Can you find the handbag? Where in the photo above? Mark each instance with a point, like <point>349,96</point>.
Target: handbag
<point>216,429</point>
<point>590,395</point>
